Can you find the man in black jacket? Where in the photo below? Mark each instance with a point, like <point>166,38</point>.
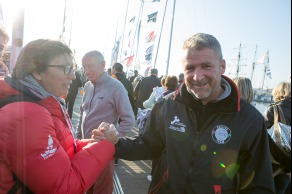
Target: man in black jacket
<point>207,140</point>
<point>144,88</point>
<point>73,91</point>
<point>117,71</point>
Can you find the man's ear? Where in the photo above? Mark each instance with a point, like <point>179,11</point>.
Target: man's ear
<point>223,66</point>
<point>37,76</point>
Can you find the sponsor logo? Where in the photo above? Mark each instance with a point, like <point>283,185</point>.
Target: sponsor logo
<point>50,149</point>
<point>176,125</point>
<point>221,134</point>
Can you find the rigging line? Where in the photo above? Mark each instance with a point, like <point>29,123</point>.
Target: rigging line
<point>158,44</point>
<point>64,20</point>
<point>138,26</point>
<point>170,38</point>
<point>125,21</point>
<point>254,63</point>
<point>72,15</point>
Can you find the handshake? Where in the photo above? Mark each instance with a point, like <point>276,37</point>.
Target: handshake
<point>106,131</point>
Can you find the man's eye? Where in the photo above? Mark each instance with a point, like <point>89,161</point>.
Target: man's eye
<point>207,67</point>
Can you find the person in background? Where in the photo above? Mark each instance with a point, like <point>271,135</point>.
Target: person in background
<point>206,139</point>
<point>144,88</point>
<point>282,98</point>
<point>105,100</point>
<point>117,71</point>
<point>134,76</point>
<point>73,91</point>
<point>180,79</point>
<point>155,95</point>
<point>4,38</point>
<point>38,151</point>
<point>245,88</point>
<point>109,71</point>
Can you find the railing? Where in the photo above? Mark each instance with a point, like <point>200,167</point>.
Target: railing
<point>117,185</point>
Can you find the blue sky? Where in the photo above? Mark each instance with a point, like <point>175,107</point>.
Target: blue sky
<point>265,23</point>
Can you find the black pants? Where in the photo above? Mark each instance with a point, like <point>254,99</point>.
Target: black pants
<point>282,182</point>
<point>70,104</point>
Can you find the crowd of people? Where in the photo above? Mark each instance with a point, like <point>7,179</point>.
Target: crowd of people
<point>199,128</point>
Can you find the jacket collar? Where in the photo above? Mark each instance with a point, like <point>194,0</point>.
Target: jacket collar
<point>229,104</point>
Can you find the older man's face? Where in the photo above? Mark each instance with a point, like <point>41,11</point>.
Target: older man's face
<point>93,68</point>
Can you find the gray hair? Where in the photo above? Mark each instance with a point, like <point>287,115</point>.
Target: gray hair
<point>98,55</point>
<point>200,41</point>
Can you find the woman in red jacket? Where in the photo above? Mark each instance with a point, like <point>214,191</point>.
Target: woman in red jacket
<point>38,152</point>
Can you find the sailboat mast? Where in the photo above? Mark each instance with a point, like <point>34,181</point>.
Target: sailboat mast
<point>160,33</point>
<point>64,21</point>
<point>124,29</point>
<point>254,63</point>
<point>17,37</point>
<point>238,61</point>
<point>170,38</point>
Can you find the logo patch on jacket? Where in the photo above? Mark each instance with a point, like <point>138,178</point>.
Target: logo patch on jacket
<point>50,149</point>
<point>221,134</point>
<point>176,125</point>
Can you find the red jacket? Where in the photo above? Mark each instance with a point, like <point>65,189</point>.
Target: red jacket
<point>37,145</point>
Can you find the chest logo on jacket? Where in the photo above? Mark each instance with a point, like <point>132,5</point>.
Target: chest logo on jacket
<point>176,125</point>
<point>221,134</point>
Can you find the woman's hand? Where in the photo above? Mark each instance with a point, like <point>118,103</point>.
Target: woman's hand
<point>106,131</point>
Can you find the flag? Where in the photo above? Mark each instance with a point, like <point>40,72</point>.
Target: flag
<point>152,17</point>
<point>133,19</point>
<point>155,1</point>
<point>268,69</point>
<point>115,52</point>
<point>150,37</point>
<point>269,74</point>
<point>148,57</point>
<point>149,50</point>
<point>147,70</point>
<point>128,61</point>
<point>264,58</point>
<point>267,57</point>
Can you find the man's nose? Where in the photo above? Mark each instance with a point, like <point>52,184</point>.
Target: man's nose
<point>198,74</point>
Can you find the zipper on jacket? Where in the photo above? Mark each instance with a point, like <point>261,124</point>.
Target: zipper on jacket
<point>163,178</point>
<point>91,99</point>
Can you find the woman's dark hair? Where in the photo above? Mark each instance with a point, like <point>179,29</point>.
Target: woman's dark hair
<point>36,56</point>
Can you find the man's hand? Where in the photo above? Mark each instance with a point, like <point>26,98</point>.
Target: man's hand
<point>106,131</point>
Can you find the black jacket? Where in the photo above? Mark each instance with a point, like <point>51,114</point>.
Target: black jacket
<point>129,87</point>
<point>282,157</point>
<point>144,88</point>
<point>228,150</point>
<point>286,108</point>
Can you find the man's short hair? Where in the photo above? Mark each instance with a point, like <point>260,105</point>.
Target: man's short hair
<point>118,67</point>
<point>154,71</point>
<point>200,41</point>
